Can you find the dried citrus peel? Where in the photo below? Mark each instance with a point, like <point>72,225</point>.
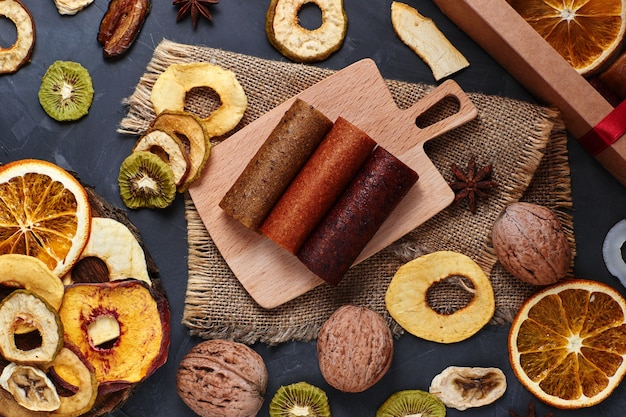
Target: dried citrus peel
<point>406,297</point>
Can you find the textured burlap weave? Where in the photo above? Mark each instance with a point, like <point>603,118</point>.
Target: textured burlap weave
<point>525,142</point>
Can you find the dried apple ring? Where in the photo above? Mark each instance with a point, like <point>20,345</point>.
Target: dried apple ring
<point>407,303</point>
<point>172,85</point>
<point>298,43</point>
<point>18,54</point>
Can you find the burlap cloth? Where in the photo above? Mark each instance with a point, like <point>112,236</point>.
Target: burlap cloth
<point>525,142</point>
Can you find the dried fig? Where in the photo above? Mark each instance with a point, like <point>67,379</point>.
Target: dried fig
<point>221,378</point>
<point>354,348</point>
<point>530,243</point>
<point>464,387</point>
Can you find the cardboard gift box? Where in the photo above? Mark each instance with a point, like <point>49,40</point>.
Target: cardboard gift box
<point>505,35</point>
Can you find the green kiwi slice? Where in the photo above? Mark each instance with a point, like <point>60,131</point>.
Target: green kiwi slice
<point>146,181</point>
<point>412,403</point>
<point>299,399</point>
<point>66,91</point>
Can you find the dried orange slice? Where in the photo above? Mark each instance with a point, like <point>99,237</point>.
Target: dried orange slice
<point>587,33</point>
<point>44,213</point>
<point>567,344</point>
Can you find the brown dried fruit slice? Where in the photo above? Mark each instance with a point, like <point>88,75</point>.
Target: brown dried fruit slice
<point>23,307</point>
<point>18,54</point>
<point>190,130</point>
<point>143,315</point>
<point>121,25</point>
<point>169,148</point>
<point>406,297</point>
<point>172,85</point>
<point>297,43</point>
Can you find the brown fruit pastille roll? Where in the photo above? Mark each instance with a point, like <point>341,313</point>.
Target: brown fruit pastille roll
<point>275,164</point>
<point>614,77</point>
<point>318,185</point>
<point>369,199</point>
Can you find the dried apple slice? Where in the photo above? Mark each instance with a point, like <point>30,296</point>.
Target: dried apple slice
<point>170,149</point>
<point>22,307</point>
<point>115,245</point>
<point>30,273</point>
<point>18,54</point>
<point>143,317</point>
<point>191,131</point>
<point>70,368</point>
<point>172,85</point>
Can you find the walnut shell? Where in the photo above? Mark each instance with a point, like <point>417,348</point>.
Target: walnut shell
<point>530,243</point>
<point>354,348</point>
<point>221,378</point>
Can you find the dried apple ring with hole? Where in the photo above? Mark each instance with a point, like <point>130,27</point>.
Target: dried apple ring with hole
<point>300,44</point>
<point>169,148</point>
<point>170,89</point>
<point>18,54</point>
<point>22,307</point>
<point>406,297</point>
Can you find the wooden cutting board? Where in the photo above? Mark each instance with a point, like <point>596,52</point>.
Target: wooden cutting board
<point>358,93</point>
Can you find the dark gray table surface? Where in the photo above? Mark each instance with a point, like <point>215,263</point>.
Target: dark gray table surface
<point>92,148</point>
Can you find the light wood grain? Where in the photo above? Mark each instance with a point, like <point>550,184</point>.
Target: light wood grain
<point>358,93</point>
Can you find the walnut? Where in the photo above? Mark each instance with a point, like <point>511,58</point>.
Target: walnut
<point>221,378</point>
<point>354,348</point>
<point>530,243</point>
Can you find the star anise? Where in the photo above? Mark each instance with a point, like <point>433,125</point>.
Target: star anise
<point>195,8</point>
<point>530,412</point>
<point>471,184</point>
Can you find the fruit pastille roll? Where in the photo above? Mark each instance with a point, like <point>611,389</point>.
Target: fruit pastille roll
<point>318,185</point>
<point>369,199</point>
<point>276,163</point>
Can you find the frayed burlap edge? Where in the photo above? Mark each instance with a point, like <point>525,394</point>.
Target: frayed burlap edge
<point>217,306</point>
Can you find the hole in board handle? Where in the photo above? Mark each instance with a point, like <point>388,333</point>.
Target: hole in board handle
<point>441,110</point>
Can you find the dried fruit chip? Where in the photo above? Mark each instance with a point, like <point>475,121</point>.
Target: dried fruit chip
<point>30,387</point>
<point>18,54</point>
<point>406,297</point>
<point>299,44</point>
<point>66,91</point>
<point>173,84</point>
<point>464,387</point>
<point>587,34</point>
<point>23,307</point>
<point>169,148</point>
<point>146,181</point>
<point>114,244</point>
<point>45,213</point>
<point>71,7</point>
<point>567,344</point>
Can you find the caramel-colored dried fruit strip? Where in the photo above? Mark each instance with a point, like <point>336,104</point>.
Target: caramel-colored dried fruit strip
<point>369,199</point>
<point>276,163</point>
<point>318,185</point>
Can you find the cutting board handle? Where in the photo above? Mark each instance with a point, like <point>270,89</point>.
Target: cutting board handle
<point>448,89</point>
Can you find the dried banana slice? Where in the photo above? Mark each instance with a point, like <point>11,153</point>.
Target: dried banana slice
<point>18,54</point>
<point>71,7</point>
<point>298,43</point>
<point>30,387</point>
<point>425,39</point>
<point>465,387</point>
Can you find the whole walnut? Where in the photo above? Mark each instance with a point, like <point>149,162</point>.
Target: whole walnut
<point>530,243</point>
<point>354,348</point>
<point>221,378</point>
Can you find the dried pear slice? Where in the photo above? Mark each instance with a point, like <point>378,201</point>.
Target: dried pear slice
<point>169,148</point>
<point>298,43</point>
<point>425,39</point>
<point>172,85</point>
<point>407,304</point>
<point>18,54</point>
<point>30,387</point>
<point>23,307</point>
<point>71,7</point>
<point>191,131</point>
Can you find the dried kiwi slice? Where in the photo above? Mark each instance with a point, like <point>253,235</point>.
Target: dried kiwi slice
<point>299,399</point>
<point>412,403</point>
<point>146,181</point>
<point>66,91</point>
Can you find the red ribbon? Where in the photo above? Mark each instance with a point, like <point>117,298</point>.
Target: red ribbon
<point>607,132</point>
